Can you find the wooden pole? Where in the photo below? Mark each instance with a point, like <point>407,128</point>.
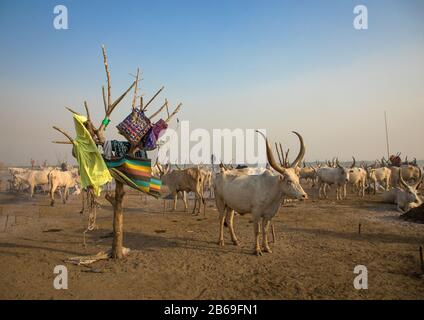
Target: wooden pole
<point>387,135</point>
<point>118,221</point>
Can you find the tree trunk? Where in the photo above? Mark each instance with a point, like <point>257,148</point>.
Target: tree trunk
<point>118,222</point>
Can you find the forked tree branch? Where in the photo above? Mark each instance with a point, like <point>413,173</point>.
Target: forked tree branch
<point>160,109</point>
<point>135,88</point>
<point>278,154</point>
<point>153,98</point>
<point>174,112</point>
<point>64,133</point>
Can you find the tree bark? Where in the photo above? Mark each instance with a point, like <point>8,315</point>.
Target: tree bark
<point>118,222</point>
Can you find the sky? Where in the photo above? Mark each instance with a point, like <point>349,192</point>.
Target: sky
<point>274,65</point>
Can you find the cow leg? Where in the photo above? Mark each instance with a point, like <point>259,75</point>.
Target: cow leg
<point>31,190</point>
<point>65,195</point>
<point>257,232</point>
<point>324,191</point>
<point>52,193</point>
<point>221,227</point>
<point>195,204</point>
<point>175,194</point>
<point>230,219</point>
<point>185,201</point>
<point>265,226</point>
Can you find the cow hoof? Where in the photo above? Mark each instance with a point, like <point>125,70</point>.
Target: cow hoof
<point>236,242</point>
<point>257,252</point>
<point>267,249</point>
<point>221,243</point>
<point>51,204</point>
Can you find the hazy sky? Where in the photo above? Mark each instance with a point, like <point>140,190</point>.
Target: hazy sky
<point>278,65</point>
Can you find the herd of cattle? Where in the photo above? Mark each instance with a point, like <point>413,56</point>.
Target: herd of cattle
<point>259,191</point>
<point>51,179</point>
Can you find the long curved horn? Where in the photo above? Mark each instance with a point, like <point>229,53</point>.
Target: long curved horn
<point>354,163</point>
<point>270,156</point>
<point>302,151</point>
<point>401,179</point>
<point>338,164</point>
<point>420,179</point>
<point>223,166</point>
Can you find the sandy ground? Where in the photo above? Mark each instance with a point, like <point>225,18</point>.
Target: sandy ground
<point>175,255</point>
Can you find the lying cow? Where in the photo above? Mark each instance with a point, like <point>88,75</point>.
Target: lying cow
<point>406,198</point>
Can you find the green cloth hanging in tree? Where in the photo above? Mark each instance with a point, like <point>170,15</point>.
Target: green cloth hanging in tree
<point>92,168</point>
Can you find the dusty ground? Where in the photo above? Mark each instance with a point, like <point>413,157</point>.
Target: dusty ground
<point>176,256</point>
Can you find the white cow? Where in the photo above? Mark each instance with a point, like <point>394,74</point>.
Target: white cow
<point>406,198</point>
<point>32,178</point>
<point>260,195</point>
<point>338,176</point>
<point>381,176</point>
<point>62,179</point>
<point>357,178</point>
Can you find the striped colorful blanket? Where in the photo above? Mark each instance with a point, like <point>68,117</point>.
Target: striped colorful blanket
<point>136,173</point>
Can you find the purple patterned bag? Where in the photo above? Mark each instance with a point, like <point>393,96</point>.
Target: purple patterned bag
<point>150,139</point>
<point>135,126</point>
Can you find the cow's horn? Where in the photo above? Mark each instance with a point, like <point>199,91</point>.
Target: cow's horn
<point>401,179</point>
<point>354,163</point>
<point>301,154</point>
<point>338,164</point>
<point>420,179</point>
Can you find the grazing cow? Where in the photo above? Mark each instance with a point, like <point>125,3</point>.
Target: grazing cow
<point>406,198</point>
<point>338,176</point>
<point>185,180</point>
<point>260,195</point>
<point>62,179</point>
<point>32,178</point>
<point>16,183</point>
